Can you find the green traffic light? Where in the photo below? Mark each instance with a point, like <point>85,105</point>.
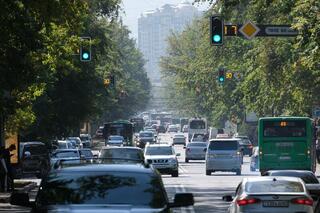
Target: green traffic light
<point>221,79</point>
<point>216,38</point>
<point>85,56</point>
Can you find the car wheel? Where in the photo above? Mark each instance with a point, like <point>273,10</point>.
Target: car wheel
<point>175,174</point>
<point>187,160</point>
<point>208,172</point>
<point>238,172</point>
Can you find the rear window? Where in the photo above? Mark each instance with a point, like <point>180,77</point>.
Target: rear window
<point>86,153</point>
<point>197,144</point>
<point>284,128</point>
<point>146,134</point>
<point>273,186</point>
<point>36,149</point>
<point>121,153</point>
<point>245,142</point>
<point>197,124</point>
<point>66,154</point>
<point>159,151</point>
<point>116,138</point>
<point>223,145</point>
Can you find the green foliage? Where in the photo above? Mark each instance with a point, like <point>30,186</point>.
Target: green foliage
<point>279,75</point>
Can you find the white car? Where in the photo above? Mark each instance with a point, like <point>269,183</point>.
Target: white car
<point>179,139</point>
<point>115,140</point>
<point>163,158</point>
<point>271,194</point>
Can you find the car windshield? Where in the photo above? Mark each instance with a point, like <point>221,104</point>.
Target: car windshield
<point>159,151</point>
<point>269,186</point>
<point>116,138</point>
<point>223,145</point>
<point>244,142</point>
<point>66,154</point>
<point>124,153</point>
<point>146,134</point>
<point>84,138</point>
<point>120,188</point>
<point>307,177</point>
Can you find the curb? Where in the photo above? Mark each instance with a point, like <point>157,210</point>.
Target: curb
<point>5,197</point>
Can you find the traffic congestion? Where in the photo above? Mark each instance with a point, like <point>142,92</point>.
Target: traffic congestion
<point>160,106</point>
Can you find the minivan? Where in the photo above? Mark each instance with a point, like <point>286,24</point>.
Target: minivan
<point>223,155</point>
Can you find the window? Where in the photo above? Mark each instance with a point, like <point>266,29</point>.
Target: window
<point>159,151</point>
<point>284,128</point>
<point>102,188</point>
<point>66,154</point>
<point>223,145</point>
<point>121,153</point>
<point>273,186</point>
<point>197,124</point>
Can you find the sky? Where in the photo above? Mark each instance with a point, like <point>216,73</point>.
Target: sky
<point>132,9</point>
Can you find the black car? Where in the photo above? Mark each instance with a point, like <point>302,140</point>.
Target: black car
<point>245,145</point>
<point>34,159</point>
<point>102,188</point>
<point>161,129</point>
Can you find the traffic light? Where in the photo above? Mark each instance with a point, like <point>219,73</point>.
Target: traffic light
<point>109,82</point>
<point>216,30</point>
<point>85,49</point>
<point>221,76</point>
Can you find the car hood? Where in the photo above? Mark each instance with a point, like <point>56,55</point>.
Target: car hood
<point>95,208</point>
<point>159,157</point>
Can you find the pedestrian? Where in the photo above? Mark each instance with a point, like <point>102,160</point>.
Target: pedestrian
<point>7,157</point>
<point>3,172</point>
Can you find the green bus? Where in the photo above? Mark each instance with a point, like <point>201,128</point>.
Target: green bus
<point>123,128</point>
<point>286,143</point>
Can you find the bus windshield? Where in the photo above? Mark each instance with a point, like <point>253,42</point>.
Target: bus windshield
<point>284,129</point>
<point>197,124</point>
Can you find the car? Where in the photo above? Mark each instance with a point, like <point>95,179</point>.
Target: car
<point>308,177</point>
<point>115,140</point>
<point>69,155</point>
<point>124,154</point>
<point>145,137</point>
<point>185,128</point>
<point>86,154</point>
<point>163,158</point>
<point>76,141</point>
<point>99,132</point>
<point>254,159</point>
<point>161,129</point>
<point>172,128</point>
<point>270,194</point>
<point>195,151</point>
<point>246,145</point>
<point>223,155</point>
<point>102,188</point>
<point>179,139</point>
<point>34,159</point>
<point>86,140</point>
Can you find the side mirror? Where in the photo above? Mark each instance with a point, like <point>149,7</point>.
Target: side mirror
<point>227,198</point>
<point>20,199</point>
<point>182,199</point>
<point>178,154</point>
<point>27,154</point>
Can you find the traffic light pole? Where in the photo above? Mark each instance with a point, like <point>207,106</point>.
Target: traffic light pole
<point>2,132</point>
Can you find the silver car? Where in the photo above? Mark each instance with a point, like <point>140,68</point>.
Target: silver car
<point>195,151</point>
<point>270,194</point>
<point>223,155</point>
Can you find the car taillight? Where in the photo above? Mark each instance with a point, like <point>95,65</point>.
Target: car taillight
<point>250,146</point>
<point>302,201</point>
<point>247,201</point>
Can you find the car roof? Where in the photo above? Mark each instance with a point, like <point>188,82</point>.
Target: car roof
<point>32,143</point>
<point>225,139</point>
<point>64,150</point>
<point>129,168</point>
<point>159,145</point>
<point>291,171</point>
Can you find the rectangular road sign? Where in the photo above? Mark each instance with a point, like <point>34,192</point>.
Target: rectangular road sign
<point>265,30</point>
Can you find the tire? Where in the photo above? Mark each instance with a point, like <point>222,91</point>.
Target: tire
<point>187,160</point>
<point>208,172</point>
<point>238,172</point>
<point>175,174</point>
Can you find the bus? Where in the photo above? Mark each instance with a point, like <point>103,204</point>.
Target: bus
<point>121,127</point>
<point>138,124</point>
<point>286,143</point>
<point>197,126</point>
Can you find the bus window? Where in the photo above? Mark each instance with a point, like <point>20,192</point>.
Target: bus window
<point>284,129</point>
<point>197,125</point>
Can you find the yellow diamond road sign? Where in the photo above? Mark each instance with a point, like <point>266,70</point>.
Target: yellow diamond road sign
<point>249,30</point>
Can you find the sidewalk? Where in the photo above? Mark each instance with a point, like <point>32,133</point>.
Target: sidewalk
<point>22,185</point>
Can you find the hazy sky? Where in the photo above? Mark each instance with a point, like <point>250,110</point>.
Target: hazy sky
<point>132,10</point>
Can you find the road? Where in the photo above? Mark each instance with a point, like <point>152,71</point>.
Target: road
<point>207,190</point>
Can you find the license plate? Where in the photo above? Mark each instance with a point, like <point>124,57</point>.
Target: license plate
<point>275,203</point>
